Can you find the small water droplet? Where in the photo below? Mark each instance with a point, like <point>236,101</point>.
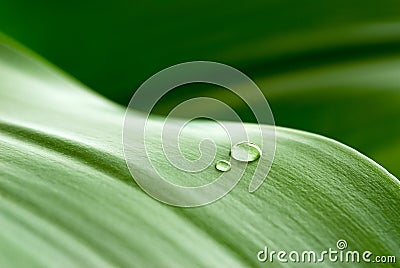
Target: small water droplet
<point>223,165</point>
<point>246,151</point>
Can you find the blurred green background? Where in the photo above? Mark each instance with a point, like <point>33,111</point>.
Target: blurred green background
<point>329,67</point>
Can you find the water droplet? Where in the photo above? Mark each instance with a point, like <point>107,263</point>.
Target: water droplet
<point>246,151</point>
<point>223,165</point>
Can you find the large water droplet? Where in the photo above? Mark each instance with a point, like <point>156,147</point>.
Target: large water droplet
<point>246,151</point>
<point>223,165</point>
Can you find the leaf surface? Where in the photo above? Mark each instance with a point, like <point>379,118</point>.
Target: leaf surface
<point>67,198</point>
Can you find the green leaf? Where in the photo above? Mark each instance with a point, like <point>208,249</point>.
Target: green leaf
<point>67,198</point>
